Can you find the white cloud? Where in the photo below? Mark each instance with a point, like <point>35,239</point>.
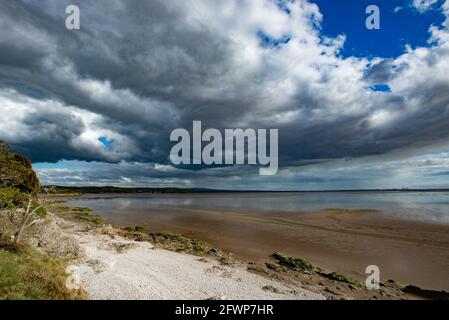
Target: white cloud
<point>423,5</point>
<point>21,122</point>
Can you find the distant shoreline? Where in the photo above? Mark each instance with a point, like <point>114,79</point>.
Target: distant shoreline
<point>53,189</point>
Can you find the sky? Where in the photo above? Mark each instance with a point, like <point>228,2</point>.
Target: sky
<point>355,108</point>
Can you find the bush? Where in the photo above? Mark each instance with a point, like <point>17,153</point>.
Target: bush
<point>16,171</point>
<point>22,211</point>
<point>11,198</point>
<point>40,212</point>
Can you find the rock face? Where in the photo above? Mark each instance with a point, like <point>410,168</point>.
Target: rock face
<point>16,171</point>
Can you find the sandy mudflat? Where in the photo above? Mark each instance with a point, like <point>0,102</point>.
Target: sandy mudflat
<point>410,252</point>
<point>116,268</point>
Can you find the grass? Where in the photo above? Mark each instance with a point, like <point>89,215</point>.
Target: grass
<point>26,274</point>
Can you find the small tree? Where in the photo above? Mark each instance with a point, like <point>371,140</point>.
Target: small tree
<point>19,188</point>
<point>23,210</point>
<point>32,214</point>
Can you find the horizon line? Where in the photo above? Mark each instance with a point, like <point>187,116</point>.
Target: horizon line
<point>199,189</point>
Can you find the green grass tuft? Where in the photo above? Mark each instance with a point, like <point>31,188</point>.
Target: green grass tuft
<point>26,274</point>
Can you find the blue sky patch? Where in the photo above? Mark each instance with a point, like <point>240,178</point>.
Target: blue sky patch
<point>400,24</point>
<point>106,142</point>
<point>62,164</point>
<point>269,42</point>
<point>381,88</point>
<point>283,5</point>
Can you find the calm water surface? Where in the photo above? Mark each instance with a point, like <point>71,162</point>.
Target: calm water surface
<point>425,206</point>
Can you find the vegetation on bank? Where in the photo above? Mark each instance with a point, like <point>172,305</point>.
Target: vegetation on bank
<point>177,243</point>
<point>25,273</point>
<point>300,266</point>
<point>76,213</point>
<point>16,171</point>
<point>19,201</point>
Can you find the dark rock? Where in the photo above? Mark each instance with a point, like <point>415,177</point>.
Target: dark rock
<point>427,294</point>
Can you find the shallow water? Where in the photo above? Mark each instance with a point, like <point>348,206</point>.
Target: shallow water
<point>421,206</point>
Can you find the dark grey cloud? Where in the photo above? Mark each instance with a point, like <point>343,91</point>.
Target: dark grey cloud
<point>50,131</point>
<point>381,72</point>
<point>138,69</point>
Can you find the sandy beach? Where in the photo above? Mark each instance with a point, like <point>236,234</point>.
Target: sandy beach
<point>110,267</point>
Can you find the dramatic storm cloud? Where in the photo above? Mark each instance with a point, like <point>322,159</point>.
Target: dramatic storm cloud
<point>113,91</point>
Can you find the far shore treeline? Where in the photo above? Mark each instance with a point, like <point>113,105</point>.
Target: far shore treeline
<point>63,190</point>
<point>70,190</point>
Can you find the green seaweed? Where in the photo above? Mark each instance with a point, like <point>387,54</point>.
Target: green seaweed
<point>86,217</point>
<point>179,243</point>
<point>339,278</point>
<point>134,229</point>
<point>295,264</point>
<point>81,210</point>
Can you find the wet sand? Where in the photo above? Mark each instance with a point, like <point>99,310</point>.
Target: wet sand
<point>343,241</point>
